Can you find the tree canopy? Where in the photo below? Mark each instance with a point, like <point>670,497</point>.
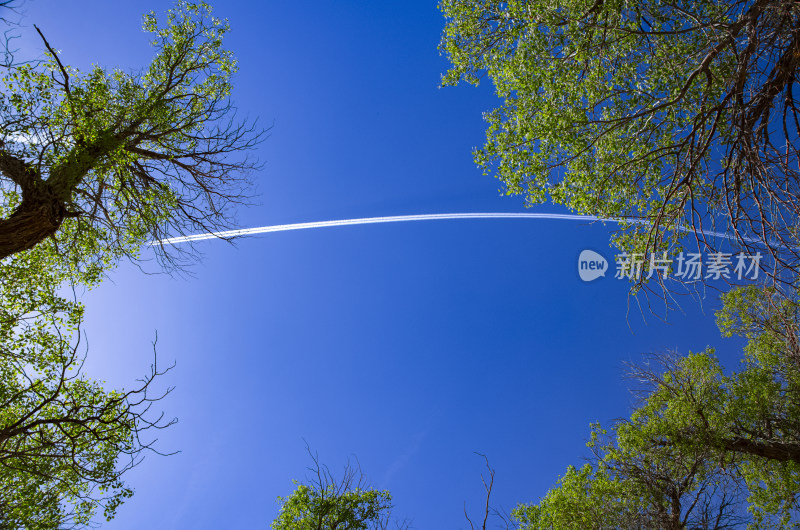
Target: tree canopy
<point>705,448</point>
<point>92,166</point>
<point>675,116</point>
<point>96,163</point>
<point>327,503</point>
<point>65,440</point>
<point>679,114</point>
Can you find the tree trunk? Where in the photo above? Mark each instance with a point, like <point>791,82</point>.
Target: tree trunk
<point>38,216</point>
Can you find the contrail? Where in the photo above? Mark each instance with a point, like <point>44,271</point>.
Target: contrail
<point>399,219</point>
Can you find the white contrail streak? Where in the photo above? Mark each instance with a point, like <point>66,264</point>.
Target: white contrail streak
<point>396,219</point>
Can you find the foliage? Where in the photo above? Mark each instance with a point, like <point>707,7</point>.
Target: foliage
<point>625,488</point>
<point>678,114</point>
<point>703,444</point>
<point>105,160</point>
<point>675,116</point>
<point>65,441</point>
<point>329,504</point>
<point>91,167</point>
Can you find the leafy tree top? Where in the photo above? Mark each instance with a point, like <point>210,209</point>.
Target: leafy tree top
<point>682,114</point>
<point>102,161</point>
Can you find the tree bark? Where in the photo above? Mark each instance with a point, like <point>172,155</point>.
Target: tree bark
<point>780,451</point>
<point>39,214</point>
<point>44,204</point>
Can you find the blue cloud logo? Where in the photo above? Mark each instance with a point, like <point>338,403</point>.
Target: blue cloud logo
<point>591,265</point>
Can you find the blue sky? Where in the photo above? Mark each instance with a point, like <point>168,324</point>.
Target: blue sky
<point>407,346</point>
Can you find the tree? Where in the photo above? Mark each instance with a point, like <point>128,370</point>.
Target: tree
<point>638,488</point>
<point>65,440</point>
<point>96,164</point>
<point>326,503</point>
<point>703,445</point>
<point>673,115</point>
<point>91,167</point>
